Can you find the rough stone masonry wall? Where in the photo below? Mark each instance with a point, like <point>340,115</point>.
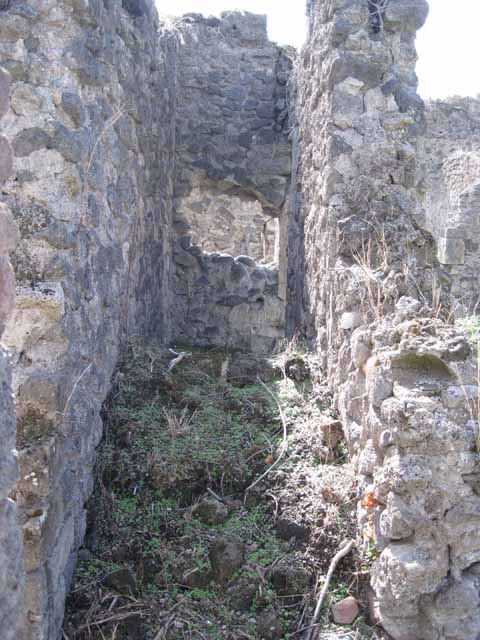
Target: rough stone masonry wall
<point>231,302</point>
<point>225,223</point>
<point>451,153</point>
<point>91,123</point>
<point>401,375</point>
<point>233,160</point>
<point>11,549</point>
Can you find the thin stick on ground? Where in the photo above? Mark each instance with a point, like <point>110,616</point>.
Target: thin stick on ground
<point>164,629</point>
<point>323,594</point>
<point>115,618</point>
<point>284,442</point>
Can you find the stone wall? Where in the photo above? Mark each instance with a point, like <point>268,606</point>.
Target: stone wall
<point>362,277</point>
<point>226,301</point>
<point>11,550</point>
<point>232,116</point>
<point>127,136</point>
<point>234,224</point>
<point>451,154</point>
<point>233,159</point>
<point>91,122</point>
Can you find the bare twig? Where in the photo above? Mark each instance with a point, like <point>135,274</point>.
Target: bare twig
<point>111,122</point>
<point>164,628</point>
<point>178,358</point>
<point>215,495</point>
<point>67,404</point>
<point>323,594</point>
<point>116,618</point>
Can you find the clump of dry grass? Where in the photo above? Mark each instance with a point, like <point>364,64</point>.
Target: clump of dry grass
<point>178,425</point>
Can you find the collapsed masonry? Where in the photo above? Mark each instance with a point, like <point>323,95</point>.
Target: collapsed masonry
<point>131,138</point>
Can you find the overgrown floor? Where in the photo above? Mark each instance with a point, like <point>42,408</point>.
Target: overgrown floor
<point>192,532</point>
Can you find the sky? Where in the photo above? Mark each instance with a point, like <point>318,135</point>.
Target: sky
<point>448,45</point>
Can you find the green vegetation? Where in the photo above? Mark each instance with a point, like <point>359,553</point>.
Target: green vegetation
<point>175,543</point>
<point>471,326</point>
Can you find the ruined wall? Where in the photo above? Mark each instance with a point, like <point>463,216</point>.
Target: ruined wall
<point>231,302</point>
<point>362,286</point>
<point>231,107</point>
<point>233,169</point>
<point>234,224</point>
<point>91,123</point>
<point>451,156</point>
<point>11,549</point>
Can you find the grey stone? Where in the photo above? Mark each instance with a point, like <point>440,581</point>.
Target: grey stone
<point>73,107</point>
<point>5,84</point>
<point>210,511</point>
<point>269,625</point>
<point>73,145</point>
<point>6,159</point>
<point>451,251</point>
<point>226,557</point>
<point>29,140</point>
<point>122,580</point>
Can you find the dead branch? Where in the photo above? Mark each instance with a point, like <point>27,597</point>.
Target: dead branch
<point>323,594</point>
<point>178,358</point>
<point>116,618</point>
<point>67,404</point>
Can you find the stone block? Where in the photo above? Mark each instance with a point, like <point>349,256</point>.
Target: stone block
<point>6,159</point>
<point>5,84</point>
<point>451,251</point>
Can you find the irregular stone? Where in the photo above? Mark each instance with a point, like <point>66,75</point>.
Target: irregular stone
<point>73,106</point>
<point>290,579</point>
<point>9,235</point>
<point>7,292</point>
<point>25,100</point>
<point>29,140</point>
<point>345,611</point>
<point>270,625</point>
<point>6,159</point>
<point>287,529</point>
<point>226,557</point>
<point>135,8</point>
<point>451,251</point>
<point>73,145</point>
<point>210,511</point>
<point>5,84</point>
<point>122,580</point>
<point>331,433</point>
<point>242,594</point>
<point>297,368</point>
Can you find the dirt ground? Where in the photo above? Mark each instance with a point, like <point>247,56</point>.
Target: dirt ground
<point>222,492</point>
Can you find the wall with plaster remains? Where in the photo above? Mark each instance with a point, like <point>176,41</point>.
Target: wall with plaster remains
<point>362,285</point>
<point>91,124</point>
<point>451,156</point>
